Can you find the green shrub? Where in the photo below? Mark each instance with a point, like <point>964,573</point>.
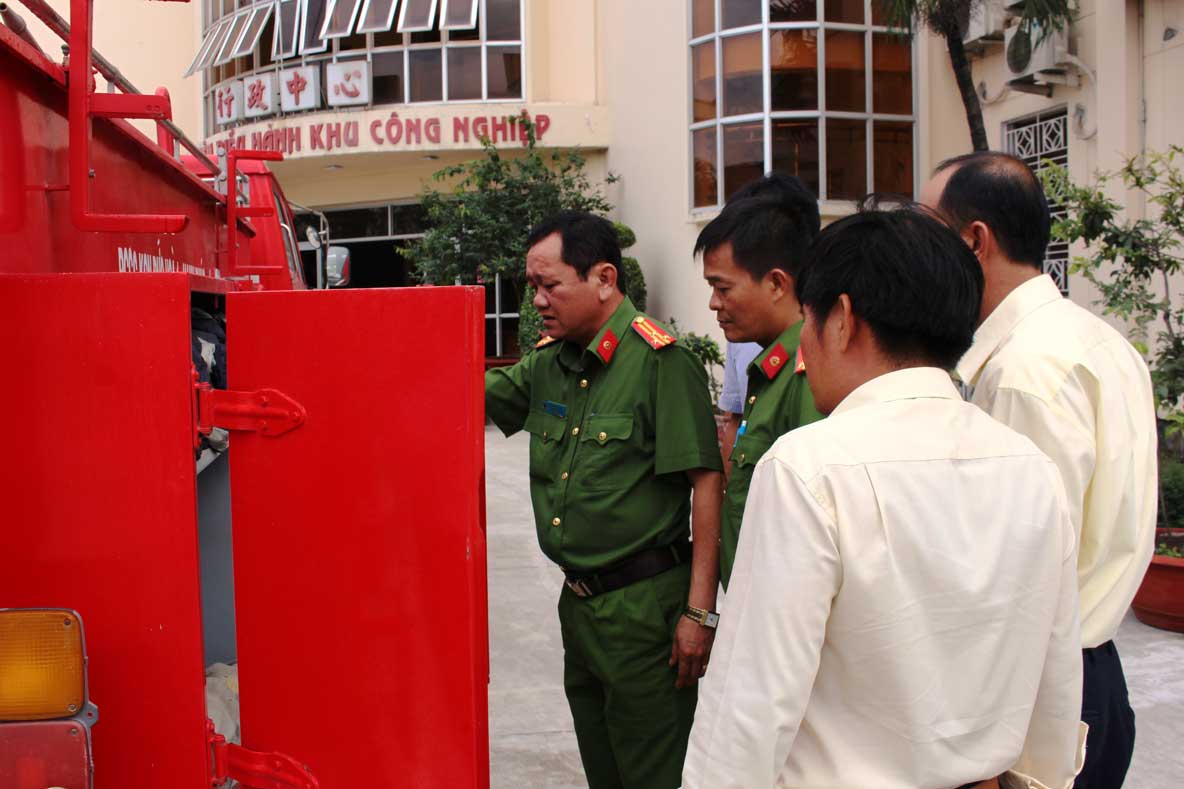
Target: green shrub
<point>1171,484</point>
<point>530,323</point>
<point>634,282</point>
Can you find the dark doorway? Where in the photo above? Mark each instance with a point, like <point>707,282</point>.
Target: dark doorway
<point>377,264</point>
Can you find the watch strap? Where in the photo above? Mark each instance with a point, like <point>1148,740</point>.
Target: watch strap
<point>702,616</point>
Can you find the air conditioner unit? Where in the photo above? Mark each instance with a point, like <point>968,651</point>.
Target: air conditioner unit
<point>983,22</point>
<point>1034,58</point>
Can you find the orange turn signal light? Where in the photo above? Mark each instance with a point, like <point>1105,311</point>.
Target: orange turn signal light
<point>42,664</point>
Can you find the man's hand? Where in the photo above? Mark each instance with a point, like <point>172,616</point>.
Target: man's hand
<point>691,650</point>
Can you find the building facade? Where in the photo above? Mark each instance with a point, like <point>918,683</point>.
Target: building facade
<point>683,100</point>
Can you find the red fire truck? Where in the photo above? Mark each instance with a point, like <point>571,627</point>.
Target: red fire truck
<point>355,469</point>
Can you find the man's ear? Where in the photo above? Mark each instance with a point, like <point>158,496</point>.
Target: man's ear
<point>846,319</point>
<point>781,282</point>
<point>980,239</point>
<point>605,275</point>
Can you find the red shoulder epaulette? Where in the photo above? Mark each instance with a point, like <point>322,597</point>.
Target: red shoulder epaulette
<point>544,341</point>
<point>800,363</point>
<point>652,333</point>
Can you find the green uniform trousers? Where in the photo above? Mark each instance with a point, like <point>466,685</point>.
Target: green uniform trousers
<point>631,723</point>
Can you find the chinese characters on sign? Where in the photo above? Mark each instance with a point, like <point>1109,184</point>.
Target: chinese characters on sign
<point>228,101</point>
<point>261,95</point>
<point>300,88</point>
<point>348,83</point>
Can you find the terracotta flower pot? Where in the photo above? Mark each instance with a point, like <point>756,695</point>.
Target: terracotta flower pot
<point>1160,600</point>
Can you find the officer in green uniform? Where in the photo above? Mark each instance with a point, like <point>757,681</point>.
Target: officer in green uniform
<point>751,252</point>
<point>622,434</point>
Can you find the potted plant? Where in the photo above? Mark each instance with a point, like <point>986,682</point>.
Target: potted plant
<point>1160,599</point>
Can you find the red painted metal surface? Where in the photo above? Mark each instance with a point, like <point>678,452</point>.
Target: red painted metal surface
<point>42,754</point>
<point>270,412</point>
<point>97,481</point>
<point>255,770</point>
<point>359,544</point>
<point>132,175</point>
<point>234,211</point>
<point>85,104</point>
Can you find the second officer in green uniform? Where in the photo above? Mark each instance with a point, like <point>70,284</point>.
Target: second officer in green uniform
<point>751,252</point>
<point>622,433</point>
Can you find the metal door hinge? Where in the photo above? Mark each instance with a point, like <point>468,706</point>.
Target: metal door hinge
<point>255,769</point>
<point>265,411</point>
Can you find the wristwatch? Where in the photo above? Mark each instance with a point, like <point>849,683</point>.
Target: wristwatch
<point>702,616</point>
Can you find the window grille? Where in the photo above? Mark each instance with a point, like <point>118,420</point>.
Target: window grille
<point>1040,140</point>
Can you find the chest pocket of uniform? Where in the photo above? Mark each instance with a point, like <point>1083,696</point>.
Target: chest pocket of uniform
<point>748,451</point>
<point>606,447</point>
<point>546,444</point>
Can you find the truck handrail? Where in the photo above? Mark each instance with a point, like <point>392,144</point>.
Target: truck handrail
<point>54,21</point>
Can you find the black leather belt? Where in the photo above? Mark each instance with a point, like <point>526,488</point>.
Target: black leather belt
<point>638,567</point>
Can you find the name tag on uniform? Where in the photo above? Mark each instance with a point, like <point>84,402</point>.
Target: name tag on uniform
<point>555,409</point>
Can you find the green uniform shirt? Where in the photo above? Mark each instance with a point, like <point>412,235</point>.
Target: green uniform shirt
<point>612,427</point>
<point>778,401</point>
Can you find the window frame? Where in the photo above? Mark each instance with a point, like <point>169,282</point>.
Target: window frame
<point>401,27</point>
<point>202,59</point>
<point>390,18</point>
<point>293,46</point>
<point>224,55</point>
<point>258,11</point>
<point>348,30</point>
<point>475,7</point>
<point>315,49</point>
<point>497,316</point>
<point>765,28</point>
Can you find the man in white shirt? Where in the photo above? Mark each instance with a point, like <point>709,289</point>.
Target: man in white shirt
<point>903,610</point>
<point>1066,379</point>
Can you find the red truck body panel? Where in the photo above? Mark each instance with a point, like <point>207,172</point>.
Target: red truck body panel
<point>359,545</point>
<point>100,505</point>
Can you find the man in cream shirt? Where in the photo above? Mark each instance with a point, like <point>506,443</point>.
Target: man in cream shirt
<point>1064,378</point>
<point>903,610</point>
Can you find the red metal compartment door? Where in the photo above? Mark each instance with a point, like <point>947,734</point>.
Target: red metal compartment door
<point>99,504</point>
<point>359,544</point>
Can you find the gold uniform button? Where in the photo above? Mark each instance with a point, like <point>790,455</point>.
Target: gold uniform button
<point>752,400</point>
<point>555,521</point>
<point>583,383</point>
<point>575,431</point>
<point>742,456</point>
<point>564,475</point>
<point>603,436</point>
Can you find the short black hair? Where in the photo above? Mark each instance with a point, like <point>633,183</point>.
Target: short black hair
<point>586,239</point>
<point>788,188</point>
<point>770,224</point>
<point>907,273</point>
<point>1002,192</point>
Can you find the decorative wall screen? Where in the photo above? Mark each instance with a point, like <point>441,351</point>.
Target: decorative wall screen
<point>1038,140</point>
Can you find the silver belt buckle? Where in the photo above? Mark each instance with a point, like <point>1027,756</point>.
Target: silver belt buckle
<point>579,588</point>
